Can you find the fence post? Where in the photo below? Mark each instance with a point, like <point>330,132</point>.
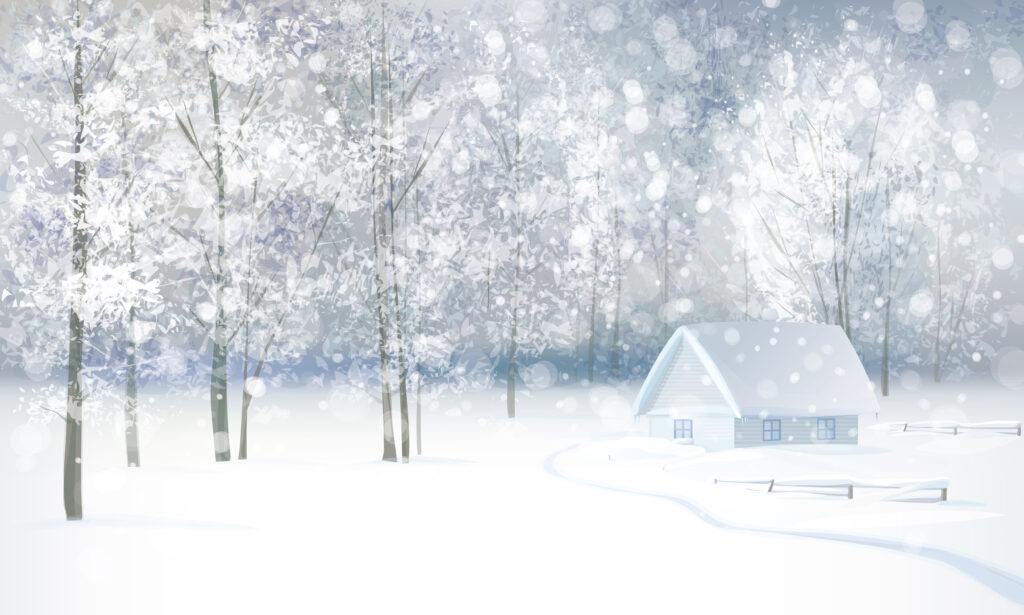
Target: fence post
<point>943,496</point>
<point>955,429</point>
<point>771,484</point>
<point>849,492</point>
<point>1018,429</point>
<point>905,426</point>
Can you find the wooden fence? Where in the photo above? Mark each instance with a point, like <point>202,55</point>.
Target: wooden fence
<point>1012,428</point>
<point>904,490</point>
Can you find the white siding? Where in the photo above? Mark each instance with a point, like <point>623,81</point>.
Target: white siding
<point>686,384</point>
<point>795,430</point>
<point>659,426</point>
<point>711,432</point>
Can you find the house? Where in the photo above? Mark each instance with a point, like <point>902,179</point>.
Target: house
<point>737,384</point>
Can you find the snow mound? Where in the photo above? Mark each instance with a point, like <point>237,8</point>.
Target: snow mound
<point>646,449</point>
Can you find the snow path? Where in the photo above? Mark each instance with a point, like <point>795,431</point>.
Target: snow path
<point>1005,583</point>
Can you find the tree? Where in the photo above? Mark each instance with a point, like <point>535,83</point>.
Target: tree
<point>391,80</point>
<point>69,200</point>
<point>229,84</point>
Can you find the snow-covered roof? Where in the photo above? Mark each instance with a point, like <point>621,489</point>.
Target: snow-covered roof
<point>758,368</point>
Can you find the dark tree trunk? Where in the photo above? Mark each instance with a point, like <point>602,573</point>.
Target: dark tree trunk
<point>488,282</point>
<point>131,392</point>
<point>243,434</point>
<point>419,415</point>
<point>131,395</point>
<point>938,311</point>
<point>419,327</point>
<point>746,283</point>
<point>618,302</point>
<point>579,342</point>
<point>76,328</point>
<point>403,388</point>
<point>885,350</point>
<point>591,355</point>
<point>888,299</point>
<point>514,342</point>
<point>382,338</point>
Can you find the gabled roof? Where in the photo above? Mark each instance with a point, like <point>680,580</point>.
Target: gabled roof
<point>755,368</point>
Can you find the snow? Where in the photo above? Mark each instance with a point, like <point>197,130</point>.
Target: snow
<point>964,146</point>
<point>656,189</point>
<point>317,62</point>
<point>1007,69</point>
<point>665,29</point>
<point>636,120</point>
<point>867,90</point>
<point>1002,258</point>
<point>925,96</point>
<point>604,18</point>
<point>771,354</point>
<point>256,387</point>
<point>1008,367</point>
<point>980,518</point>
<point>680,56</point>
<point>495,42</point>
<point>487,89</point>
<point>910,15</point>
<point>597,174</point>
<point>958,35</point>
<point>497,516</point>
<point>921,303</point>
<point>633,92</point>
<point>530,12</point>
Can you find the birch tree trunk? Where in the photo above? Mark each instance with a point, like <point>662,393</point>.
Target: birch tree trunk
<point>514,342</point>
<point>664,272</point>
<point>219,361</point>
<point>578,342</point>
<point>514,167</point>
<point>746,281</point>
<point>382,337</point>
<point>618,300</point>
<point>379,274</point>
<point>131,393</point>
<point>403,387</point>
<point>591,355</point>
<point>403,391</point>
<point>76,328</point>
<point>419,327</point>
<point>888,299</point>
<point>937,367</point>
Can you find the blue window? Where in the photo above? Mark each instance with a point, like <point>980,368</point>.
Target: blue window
<point>772,430</point>
<point>682,428</point>
<point>826,429</point>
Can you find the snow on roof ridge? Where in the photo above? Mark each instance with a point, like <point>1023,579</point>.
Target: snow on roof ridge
<point>805,380</point>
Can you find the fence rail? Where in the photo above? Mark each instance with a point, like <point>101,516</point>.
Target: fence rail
<point>905,490</point>
<point>1012,428</point>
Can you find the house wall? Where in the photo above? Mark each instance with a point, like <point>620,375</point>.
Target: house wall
<point>795,430</point>
<point>713,432</point>
<point>685,385</point>
<point>659,426</point>
<point>710,432</point>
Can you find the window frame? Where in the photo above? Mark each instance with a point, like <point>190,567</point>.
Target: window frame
<point>684,427</point>
<point>771,430</point>
<point>827,426</point>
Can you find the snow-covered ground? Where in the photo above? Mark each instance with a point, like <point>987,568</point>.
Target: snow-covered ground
<point>501,516</point>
